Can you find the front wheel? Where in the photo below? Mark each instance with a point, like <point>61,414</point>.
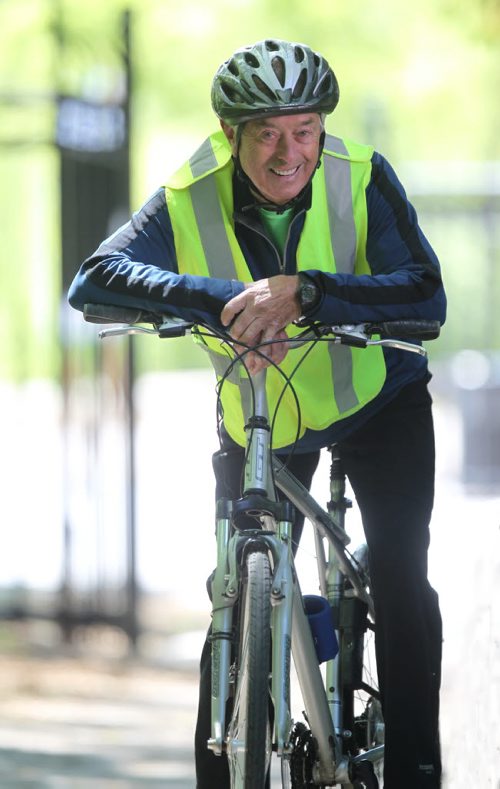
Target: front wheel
<point>248,742</point>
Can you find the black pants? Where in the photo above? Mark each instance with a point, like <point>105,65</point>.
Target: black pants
<point>390,465</point>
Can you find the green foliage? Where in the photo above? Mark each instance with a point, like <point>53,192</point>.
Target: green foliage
<point>417,81</point>
<point>413,76</point>
<point>29,276</point>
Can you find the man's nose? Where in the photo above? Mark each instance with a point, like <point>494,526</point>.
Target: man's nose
<point>285,147</point>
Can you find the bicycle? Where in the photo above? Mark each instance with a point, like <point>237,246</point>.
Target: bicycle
<point>259,617</point>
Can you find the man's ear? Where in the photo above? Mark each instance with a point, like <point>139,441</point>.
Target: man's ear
<point>230,133</point>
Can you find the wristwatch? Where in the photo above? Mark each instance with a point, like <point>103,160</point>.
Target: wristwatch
<point>308,293</point>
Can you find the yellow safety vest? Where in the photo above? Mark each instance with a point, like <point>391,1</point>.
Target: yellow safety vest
<point>333,381</point>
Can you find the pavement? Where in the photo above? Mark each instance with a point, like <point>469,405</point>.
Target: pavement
<point>92,724</point>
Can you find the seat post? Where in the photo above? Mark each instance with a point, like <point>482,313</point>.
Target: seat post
<point>338,503</point>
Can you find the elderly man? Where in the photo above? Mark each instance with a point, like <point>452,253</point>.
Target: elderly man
<point>272,219</point>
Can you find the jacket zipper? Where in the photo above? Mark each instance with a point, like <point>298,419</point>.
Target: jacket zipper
<point>281,258</point>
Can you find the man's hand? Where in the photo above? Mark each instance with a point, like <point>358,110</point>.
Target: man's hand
<point>261,313</point>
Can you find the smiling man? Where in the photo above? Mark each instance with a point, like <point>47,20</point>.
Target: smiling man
<point>279,155</point>
<point>269,220</point>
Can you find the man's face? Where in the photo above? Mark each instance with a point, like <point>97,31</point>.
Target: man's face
<point>279,154</point>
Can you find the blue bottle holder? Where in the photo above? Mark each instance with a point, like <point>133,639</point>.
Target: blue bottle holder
<point>319,615</point>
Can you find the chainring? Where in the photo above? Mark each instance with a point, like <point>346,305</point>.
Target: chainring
<point>302,757</point>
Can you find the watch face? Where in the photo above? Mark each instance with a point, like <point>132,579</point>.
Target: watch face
<point>308,294</point>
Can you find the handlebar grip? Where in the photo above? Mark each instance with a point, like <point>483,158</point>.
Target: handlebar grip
<point>411,329</point>
<point>108,313</point>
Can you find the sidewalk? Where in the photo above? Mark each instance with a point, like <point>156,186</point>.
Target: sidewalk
<point>93,725</point>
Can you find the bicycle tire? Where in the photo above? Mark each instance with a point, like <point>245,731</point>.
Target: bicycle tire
<point>249,730</point>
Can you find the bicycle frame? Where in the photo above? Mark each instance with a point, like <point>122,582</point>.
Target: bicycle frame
<point>289,621</point>
<point>323,705</point>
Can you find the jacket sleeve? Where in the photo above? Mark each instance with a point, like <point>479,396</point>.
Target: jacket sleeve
<point>405,279</point>
<point>137,267</point>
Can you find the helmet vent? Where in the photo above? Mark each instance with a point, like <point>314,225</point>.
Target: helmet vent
<point>230,94</point>
<point>233,68</point>
<point>272,46</point>
<point>278,65</point>
<point>300,84</point>
<point>316,59</point>
<point>299,54</point>
<point>261,85</point>
<point>251,60</point>
<point>324,86</point>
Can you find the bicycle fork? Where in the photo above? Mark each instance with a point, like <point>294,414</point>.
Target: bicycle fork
<point>223,599</point>
<point>290,628</point>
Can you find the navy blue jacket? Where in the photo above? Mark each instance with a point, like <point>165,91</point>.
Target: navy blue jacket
<point>137,266</point>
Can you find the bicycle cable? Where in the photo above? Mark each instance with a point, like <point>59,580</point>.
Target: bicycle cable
<point>239,357</point>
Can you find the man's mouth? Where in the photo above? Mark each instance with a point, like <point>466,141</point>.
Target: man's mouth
<point>283,173</point>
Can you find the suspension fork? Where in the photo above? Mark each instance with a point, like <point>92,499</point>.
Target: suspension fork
<point>226,579</point>
<point>223,600</point>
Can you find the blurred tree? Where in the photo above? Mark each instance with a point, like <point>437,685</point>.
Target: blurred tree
<point>418,81</point>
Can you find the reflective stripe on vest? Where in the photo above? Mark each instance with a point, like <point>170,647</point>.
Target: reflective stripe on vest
<point>333,239</point>
<point>343,239</point>
<point>210,223</point>
<point>207,209</point>
<point>340,208</point>
<point>203,159</point>
<point>342,370</point>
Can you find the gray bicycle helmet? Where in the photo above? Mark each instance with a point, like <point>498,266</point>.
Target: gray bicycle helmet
<point>273,77</point>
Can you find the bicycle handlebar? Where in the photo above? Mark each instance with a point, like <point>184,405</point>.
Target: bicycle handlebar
<point>165,325</point>
<point>108,313</point>
<point>409,328</point>
<point>355,335</point>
